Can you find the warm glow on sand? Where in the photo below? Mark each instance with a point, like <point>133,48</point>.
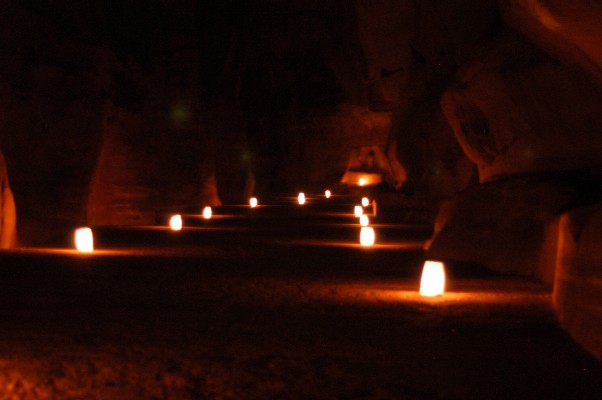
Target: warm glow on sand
<point>365,202</point>
<point>358,211</point>
<point>84,240</point>
<point>327,194</point>
<point>364,220</point>
<point>301,198</point>
<point>433,279</point>
<point>367,236</point>
<point>175,222</point>
<point>207,212</point>
<point>253,202</point>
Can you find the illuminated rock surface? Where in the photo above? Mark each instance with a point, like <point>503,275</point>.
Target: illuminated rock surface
<point>578,284</point>
<point>8,216</point>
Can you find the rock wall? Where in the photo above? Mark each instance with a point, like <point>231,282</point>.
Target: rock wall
<point>518,111</point>
<point>526,109</point>
<point>569,30</point>
<point>120,192</point>
<point>81,84</point>
<point>50,90</point>
<point>8,213</point>
<point>578,282</point>
<point>508,226</point>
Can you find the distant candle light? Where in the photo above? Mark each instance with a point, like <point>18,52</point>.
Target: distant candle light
<point>365,202</point>
<point>361,182</point>
<point>84,240</point>
<point>207,212</point>
<point>253,202</point>
<point>364,220</point>
<point>301,198</point>
<point>358,211</point>
<point>175,222</point>
<point>367,236</point>
<point>327,194</point>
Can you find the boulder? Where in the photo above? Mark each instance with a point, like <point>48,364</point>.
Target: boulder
<point>578,283</point>
<point>508,226</point>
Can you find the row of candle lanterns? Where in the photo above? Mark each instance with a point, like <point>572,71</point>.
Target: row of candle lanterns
<point>432,281</point>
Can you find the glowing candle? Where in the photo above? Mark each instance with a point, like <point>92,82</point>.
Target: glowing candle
<point>84,240</point>
<point>301,198</point>
<point>358,211</point>
<point>327,194</point>
<point>253,202</point>
<point>432,282</point>
<point>367,236</point>
<point>365,202</point>
<point>175,222</point>
<point>361,182</point>
<point>364,221</point>
<point>207,212</point>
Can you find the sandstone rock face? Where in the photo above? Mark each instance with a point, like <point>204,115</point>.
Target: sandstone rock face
<point>8,213</point>
<point>313,160</point>
<point>570,30</point>
<point>518,112</point>
<point>63,65</point>
<point>578,282</point>
<point>120,193</point>
<point>508,226</point>
<point>526,111</point>
<point>49,131</point>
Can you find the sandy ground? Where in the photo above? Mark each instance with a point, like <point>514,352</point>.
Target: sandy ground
<point>228,314</point>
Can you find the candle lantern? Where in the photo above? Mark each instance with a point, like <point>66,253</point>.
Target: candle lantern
<point>301,198</point>
<point>84,240</point>
<point>175,222</point>
<point>432,282</point>
<point>207,212</point>
<point>253,202</point>
<point>364,220</point>
<point>367,236</point>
